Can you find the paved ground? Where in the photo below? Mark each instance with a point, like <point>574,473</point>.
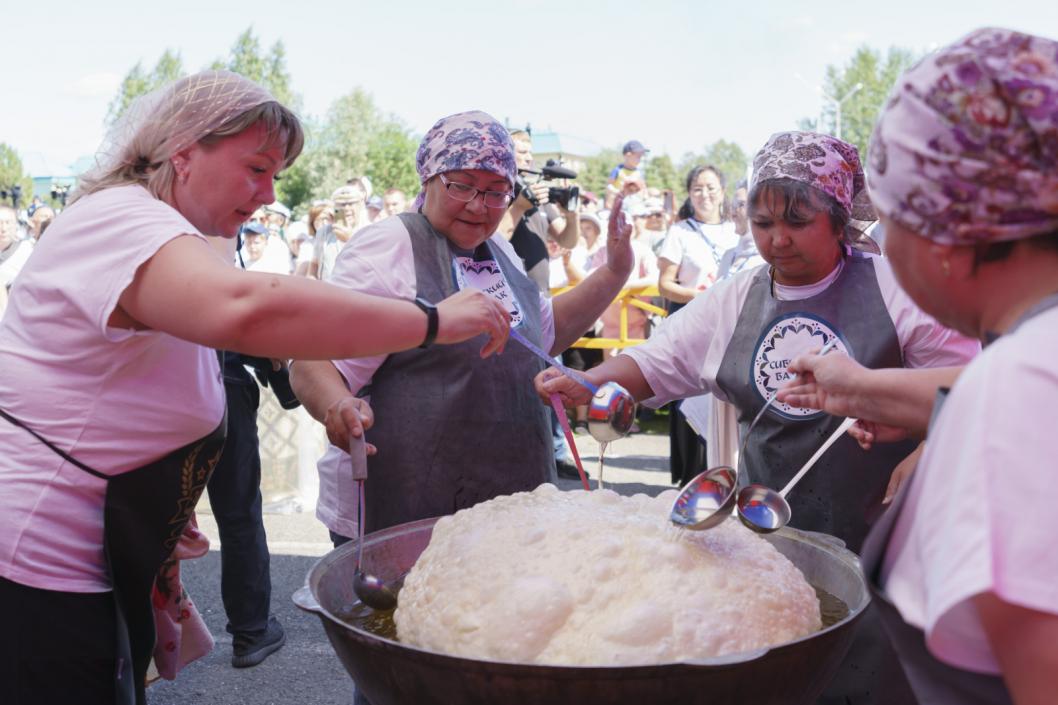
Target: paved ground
<point>306,669</point>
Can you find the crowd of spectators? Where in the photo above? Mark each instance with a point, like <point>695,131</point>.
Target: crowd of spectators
<point>682,243</point>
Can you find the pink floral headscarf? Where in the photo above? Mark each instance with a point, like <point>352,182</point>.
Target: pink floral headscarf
<point>821,161</point>
<point>470,140</point>
<point>966,150</point>
<point>824,163</point>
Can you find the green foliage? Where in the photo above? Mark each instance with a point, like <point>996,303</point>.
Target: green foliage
<point>11,173</point>
<point>876,76</point>
<point>268,69</point>
<point>597,170</point>
<point>137,82</point>
<point>726,156</point>
<point>391,159</point>
<point>355,139</point>
<point>661,173</point>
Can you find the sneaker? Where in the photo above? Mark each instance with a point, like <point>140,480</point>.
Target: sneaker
<point>247,650</point>
<point>568,471</point>
<point>580,428</point>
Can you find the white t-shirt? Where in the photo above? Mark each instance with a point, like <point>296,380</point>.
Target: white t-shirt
<point>682,358</point>
<point>10,267</point>
<point>380,261</point>
<point>114,399</point>
<point>697,249</point>
<point>980,512</point>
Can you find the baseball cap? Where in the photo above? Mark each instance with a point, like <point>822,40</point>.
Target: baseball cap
<point>375,202</point>
<point>593,218</point>
<point>254,227</point>
<point>653,205</point>
<point>633,146</point>
<point>279,208</point>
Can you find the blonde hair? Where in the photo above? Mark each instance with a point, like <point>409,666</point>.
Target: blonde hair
<point>203,108</point>
<point>521,136</point>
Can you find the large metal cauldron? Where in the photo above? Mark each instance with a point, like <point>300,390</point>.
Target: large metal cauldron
<point>389,673</point>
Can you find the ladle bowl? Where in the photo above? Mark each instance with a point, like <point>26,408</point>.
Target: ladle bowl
<point>706,500</point>
<point>762,509</point>
<point>612,413</point>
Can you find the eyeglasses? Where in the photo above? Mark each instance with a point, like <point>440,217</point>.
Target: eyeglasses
<point>466,194</point>
<point>710,191</point>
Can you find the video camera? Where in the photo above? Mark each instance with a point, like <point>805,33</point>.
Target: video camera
<point>566,196</point>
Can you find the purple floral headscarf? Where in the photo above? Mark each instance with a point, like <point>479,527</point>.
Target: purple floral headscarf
<point>470,140</point>
<point>966,150</point>
<point>824,163</point>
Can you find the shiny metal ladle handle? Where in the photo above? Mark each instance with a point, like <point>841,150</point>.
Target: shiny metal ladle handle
<point>771,398</point>
<point>838,432</point>
<point>572,374</point>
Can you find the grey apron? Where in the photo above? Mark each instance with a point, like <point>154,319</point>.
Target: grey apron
<point>144,514</point>
<point>935,682</point>
<point>452,429</point>
<point>842,495</point>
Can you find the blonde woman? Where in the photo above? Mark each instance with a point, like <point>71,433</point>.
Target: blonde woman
<point>112,408</point>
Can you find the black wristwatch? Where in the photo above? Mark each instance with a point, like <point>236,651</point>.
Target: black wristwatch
<point>432,321</point>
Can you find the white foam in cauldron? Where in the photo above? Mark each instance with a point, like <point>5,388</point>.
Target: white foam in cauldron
<point>594,578</point>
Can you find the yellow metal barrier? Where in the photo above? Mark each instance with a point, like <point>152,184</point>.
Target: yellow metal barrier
<point>626,297</point>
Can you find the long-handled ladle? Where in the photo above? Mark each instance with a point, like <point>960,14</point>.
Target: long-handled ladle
<point>711,496</point>
<point>371,589</point>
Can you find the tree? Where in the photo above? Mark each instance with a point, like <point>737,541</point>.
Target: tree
<point>661,172</point>
<point>597,170</point>
<point>269,70</point>
<point>11,174</point>
<point>355,139</point>
<point>860,111</point>
<point>137,82</point>
<point>726,156</point>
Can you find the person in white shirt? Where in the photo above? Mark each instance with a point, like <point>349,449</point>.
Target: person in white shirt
<point>737,339</point>
<point>13,251</point>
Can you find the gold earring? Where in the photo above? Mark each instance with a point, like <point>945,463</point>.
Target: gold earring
<point>945,266</point>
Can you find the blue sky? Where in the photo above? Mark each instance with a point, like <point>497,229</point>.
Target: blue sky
<point>675,75</point>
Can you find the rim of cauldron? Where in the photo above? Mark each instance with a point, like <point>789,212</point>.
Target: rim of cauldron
<point>830,544</point>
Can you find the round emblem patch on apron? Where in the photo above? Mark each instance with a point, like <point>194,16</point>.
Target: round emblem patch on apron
<point>784,339</point>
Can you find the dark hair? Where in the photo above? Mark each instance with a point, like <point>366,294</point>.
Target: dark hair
<point>800,201</point>
<point>687,209</point>
<point>998,251</point>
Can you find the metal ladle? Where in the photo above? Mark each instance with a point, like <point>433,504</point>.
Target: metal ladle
<point>709,498</point>
<point>612,410</point>
<point>371,589</point>
<point>763,509</point>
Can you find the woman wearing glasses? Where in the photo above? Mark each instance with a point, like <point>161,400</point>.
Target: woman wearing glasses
<point>688,264</point>
<point>451,429</point>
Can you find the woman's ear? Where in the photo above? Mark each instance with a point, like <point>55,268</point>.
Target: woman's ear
<point>952,260</point>
<point>181,163</point>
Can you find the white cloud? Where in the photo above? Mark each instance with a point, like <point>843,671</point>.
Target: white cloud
<point>94,85</point>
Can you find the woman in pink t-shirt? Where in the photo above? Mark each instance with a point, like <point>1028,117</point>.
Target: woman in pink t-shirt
<point>112,408</point>
<point>965,175</point>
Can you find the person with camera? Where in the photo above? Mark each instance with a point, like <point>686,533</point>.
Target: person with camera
<point>533,217</point>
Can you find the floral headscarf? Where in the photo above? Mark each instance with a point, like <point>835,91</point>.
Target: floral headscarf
<point>827,164</point>
<point>470,140</point>
<point>966,150</point>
